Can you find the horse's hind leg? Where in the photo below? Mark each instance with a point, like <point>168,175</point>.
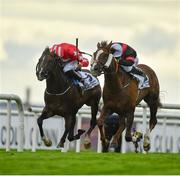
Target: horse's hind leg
<point>45,114</point>
<point>153,103</point>
<point>93,122</point>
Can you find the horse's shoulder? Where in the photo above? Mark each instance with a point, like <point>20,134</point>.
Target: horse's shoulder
<point>124,74</point>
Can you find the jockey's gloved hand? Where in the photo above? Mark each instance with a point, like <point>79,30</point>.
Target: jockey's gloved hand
<point>118,59</point>
<point>79,67</point>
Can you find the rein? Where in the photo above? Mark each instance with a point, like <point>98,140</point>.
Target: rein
<point>116,70</point>
<point>59,94</point>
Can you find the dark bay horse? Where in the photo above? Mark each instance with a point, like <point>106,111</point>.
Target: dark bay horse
<point>64,99</point>
<point>121,95</point>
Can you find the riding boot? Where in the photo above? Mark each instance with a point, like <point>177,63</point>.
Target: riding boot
<point>137,71</point>
<point>77,76</point>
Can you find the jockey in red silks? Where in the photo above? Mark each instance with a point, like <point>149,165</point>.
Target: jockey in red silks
<point>72,59</point>
<point>127,58</point>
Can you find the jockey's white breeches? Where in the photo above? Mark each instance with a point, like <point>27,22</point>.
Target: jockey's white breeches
<point>72,65</point>
<point>129,68</point>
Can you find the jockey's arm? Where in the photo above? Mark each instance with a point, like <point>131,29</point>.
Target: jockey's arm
<point>79,66</point>
<point>125,62</point>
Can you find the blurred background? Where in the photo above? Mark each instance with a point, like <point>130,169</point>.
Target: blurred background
<point>152,27</point>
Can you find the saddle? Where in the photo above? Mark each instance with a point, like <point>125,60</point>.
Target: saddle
<point>89,81</point>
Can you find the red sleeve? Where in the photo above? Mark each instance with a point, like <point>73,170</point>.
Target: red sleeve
<point>84,62</point>
<point>130,58</point>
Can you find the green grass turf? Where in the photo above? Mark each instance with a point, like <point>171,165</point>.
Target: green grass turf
<point>55,162</point>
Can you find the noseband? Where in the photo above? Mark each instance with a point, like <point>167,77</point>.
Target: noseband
<point>103,67</point>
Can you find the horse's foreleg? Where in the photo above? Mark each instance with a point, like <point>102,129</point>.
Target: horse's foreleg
<point>93,122</point>
<point>129,123</point>
<point>45,114</point>
<point>71,129</point>
<point>71,136</point>
<point>66,131</point>
<point>117,137</point>
<point>100,123</point>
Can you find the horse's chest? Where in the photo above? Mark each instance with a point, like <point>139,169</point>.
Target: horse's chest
<point>117,102</point>
<point>60,106</point>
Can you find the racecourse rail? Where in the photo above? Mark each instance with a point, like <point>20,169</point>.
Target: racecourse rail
<point>141,116</point>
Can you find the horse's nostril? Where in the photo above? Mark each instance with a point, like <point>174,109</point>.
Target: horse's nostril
<point>44,74</point>
<point>95,67</point>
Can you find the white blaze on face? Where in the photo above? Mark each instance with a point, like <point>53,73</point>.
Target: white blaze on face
<point>98,54</point>
<point>109,60</point>
<point>95,59</point>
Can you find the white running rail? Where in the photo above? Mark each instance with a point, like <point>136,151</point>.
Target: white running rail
<point>9,98</point>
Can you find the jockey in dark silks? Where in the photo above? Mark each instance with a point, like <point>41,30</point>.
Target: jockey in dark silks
<point>72,59</point>
<point>127,58</point>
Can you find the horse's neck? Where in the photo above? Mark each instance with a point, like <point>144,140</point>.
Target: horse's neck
<point>57,82</point>
<point>114,80</point>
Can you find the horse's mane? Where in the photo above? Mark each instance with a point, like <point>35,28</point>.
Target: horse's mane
<point>103,44</point>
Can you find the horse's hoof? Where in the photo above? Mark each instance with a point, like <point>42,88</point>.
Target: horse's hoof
<point>105,147</point>
<point>147,147</point>
<point>128,138</point>
<point>136,151</point>
<point>60,145</point>
<point>87,144</point>
<point>80,132</point>
<point>117,150</point>
<point>47,142</point>
<point>113,145</point>
<point>146,143</point>
<point>137,136</point>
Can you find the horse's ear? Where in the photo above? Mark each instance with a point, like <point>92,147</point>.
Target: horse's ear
<point>112,50</point>
<point>98,45</point>
<point>46,49</point>
<point>109,45</point>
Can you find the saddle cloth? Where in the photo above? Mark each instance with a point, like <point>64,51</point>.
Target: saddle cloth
<point>142,83</point>
<point>89,81</point>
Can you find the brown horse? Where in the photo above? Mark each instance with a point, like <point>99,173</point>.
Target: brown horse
<point>121,94</point>
<point>64,99</point>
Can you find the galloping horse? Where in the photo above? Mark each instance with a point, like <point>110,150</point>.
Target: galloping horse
<point>121,94</point>
<point>64,99</point>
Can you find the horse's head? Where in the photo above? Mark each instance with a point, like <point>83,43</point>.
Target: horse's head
<point>45,65</point>
<point>102,58</point>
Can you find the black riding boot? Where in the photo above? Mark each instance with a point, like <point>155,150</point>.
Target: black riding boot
<point>76,75</point>
<point>137,71</point>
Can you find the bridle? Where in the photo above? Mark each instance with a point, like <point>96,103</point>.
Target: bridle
<point>102,67</point>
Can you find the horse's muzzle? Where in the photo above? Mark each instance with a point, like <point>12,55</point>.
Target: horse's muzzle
<point>41,76</point>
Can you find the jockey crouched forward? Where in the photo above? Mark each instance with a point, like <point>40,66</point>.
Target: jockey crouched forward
<point>72,59</point>
<point>128,60</point>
